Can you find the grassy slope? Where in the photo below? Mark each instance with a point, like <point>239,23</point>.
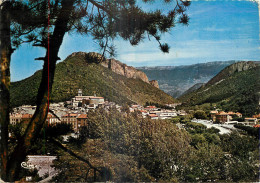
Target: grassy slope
<point>237,92</point>
<point>75,73</point>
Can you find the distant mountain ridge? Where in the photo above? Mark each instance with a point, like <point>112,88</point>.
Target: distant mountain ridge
<point>183,66</point>
<point>175,80</point>
<point>82,70</point>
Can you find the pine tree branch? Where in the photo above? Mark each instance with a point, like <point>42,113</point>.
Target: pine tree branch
<point>52,112</point>
<point>40,58</point>
<point>57,143</point>
<point>40,45</point>
<point>102,8</point>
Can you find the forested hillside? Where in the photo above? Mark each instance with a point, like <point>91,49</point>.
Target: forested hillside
<point>231,89</point>
<point>129,148</point>
<point>77,72</point>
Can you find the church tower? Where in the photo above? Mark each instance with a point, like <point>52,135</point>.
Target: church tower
<point>80,92</point>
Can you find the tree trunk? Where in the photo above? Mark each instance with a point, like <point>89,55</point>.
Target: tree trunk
<point>5,57</point>
<point>40,115</point>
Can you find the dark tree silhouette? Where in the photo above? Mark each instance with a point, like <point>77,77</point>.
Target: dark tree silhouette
<point>14,27</point>
<point>5,49</point>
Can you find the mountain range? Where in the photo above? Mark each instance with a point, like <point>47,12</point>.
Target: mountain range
<point>229,85</point>
<point>175,80</point>
<point>237,88</point>
<point>110,79</point>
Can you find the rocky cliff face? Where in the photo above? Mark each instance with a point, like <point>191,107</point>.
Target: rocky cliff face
<point>116,66</point>
<point>228,71</point>
<point>154,83</point>
<point>241,66</point>
<point>124,70</point>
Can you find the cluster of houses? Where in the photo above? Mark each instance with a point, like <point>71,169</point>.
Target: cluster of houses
<point>18,118</point>
<point>228,117</point>
<point>76,119</point>
<point>75,111</point>
<point>222,117</point>
<point>154,112</point>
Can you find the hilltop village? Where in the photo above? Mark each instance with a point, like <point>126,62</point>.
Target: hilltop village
<point>75,112</point>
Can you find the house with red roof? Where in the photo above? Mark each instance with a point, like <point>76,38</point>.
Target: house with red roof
<point>153,116</point>
<point>70,118</point>
<point>257,116</point>
<point>26,118</point>
<point>222,117</point>
<point>51,119</point>
<point>251,121</point>
<point>151,108</point>
<point>82,120</point>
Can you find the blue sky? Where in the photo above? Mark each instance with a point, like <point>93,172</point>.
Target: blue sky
<point>218,31</point>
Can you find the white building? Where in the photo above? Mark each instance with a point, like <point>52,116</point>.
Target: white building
<point>164,114</point>
<point>15,118</point>
<point>87,99</point>
<point>96,100</point>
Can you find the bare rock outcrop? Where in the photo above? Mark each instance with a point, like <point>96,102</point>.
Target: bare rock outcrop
<point>116,66</point>
<point>241,66</point>
<point>124,70</point>
<point>94,57</point>
<point>154,83</point>
<point>228,71</point>
<point>80,53</point>
<point>90,57</point>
